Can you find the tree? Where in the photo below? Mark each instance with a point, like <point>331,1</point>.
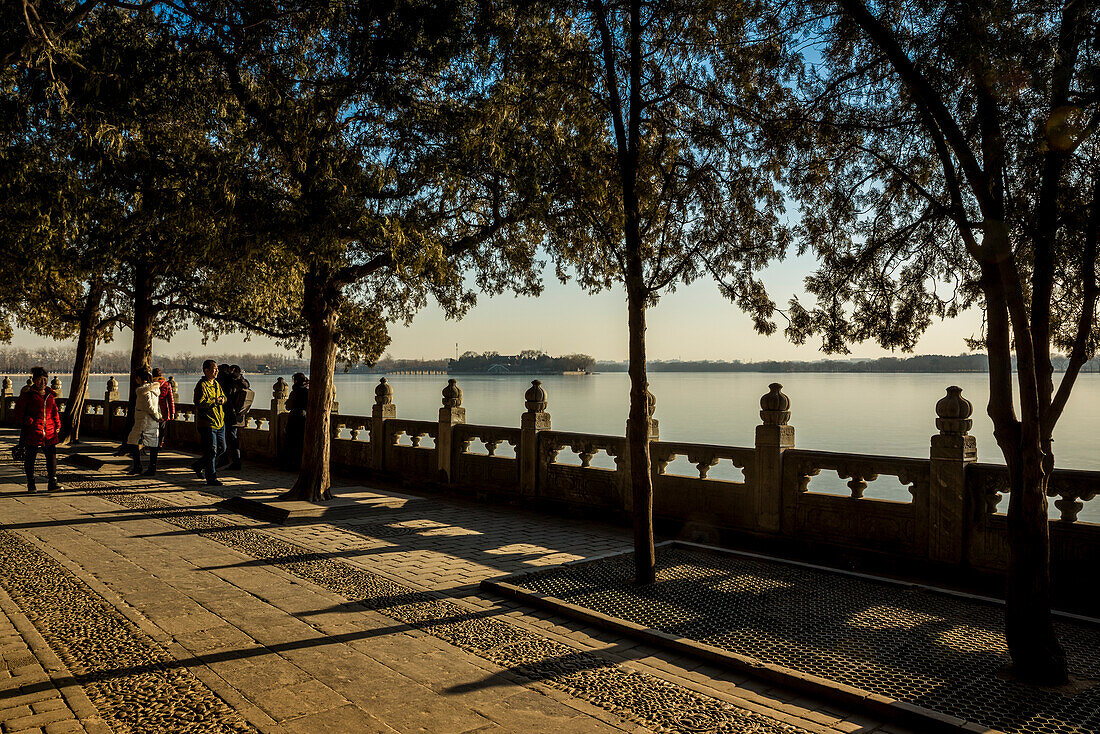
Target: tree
<point>956,162</point>
<point>147,129</point>
<point>384,160</point>
<point>55,227</point>
<point>656,185</point>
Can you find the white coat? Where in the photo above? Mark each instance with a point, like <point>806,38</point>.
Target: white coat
<point>146,430</point>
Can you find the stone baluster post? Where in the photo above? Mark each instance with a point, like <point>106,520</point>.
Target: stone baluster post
<point>55,385</point>
<point>110,396</point>
<point>951,450</point>
<point>383,410</point>
<point>451,414</point>
<point>773,437</point>
<point>534,420</point>
<point>280,391</point>
<point>5,393</point>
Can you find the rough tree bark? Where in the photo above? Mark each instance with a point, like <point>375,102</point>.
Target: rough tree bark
<point>144,319</point>
<point>86,341</point>
<point>637,433</point>
<point>627,132</point>
<point>320,305</point>
<point>1029,626</point>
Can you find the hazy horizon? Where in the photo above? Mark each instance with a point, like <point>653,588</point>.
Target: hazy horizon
<point>693,323</point>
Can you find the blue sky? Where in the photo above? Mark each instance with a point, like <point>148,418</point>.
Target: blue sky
<point>693,323</point>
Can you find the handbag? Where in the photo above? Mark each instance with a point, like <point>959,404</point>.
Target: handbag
<point>18,452</point>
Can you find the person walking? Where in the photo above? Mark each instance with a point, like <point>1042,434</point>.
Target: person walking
<point>147,417</point>
<point>296,422</point>
<point>166,401</point>
<point>238,401</point>
<point>209,403</point>
<point>39,428</point>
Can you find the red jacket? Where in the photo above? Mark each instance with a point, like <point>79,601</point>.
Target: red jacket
<point>167,401</point>
<point>38,417</point>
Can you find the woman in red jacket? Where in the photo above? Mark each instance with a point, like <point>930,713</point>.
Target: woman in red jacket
<point>40,427</point>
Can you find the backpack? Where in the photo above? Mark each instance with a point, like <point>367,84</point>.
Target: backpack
<point>242,403</point>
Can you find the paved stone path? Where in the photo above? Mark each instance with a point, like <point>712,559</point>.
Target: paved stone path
<point>131,604</point>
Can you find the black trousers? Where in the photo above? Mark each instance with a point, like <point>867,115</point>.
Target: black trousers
<point>32,456</point>
<point>232,455</point>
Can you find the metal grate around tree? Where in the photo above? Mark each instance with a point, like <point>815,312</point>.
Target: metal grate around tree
<point>937,651</point>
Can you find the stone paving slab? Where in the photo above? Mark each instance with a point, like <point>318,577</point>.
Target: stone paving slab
<point>383,611</point>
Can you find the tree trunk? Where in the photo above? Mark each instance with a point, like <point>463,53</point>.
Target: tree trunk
<point>141,349</point>
<point>1036,653</point>
<point>637,436</point>
<point>1029,627</point>
<point>82,367</point>
<point>314,479</point>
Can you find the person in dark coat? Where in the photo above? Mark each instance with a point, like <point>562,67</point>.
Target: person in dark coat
<point>39,427</point>
<point>238,401</point>
<point>296,422</point>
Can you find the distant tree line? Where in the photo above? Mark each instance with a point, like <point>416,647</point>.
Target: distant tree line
<point>389,364</point>
<point>918,363</point>
<point>527,362</point>
<point>16,361</point>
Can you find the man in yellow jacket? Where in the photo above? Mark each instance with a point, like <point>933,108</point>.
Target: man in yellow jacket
<point>210,420</point>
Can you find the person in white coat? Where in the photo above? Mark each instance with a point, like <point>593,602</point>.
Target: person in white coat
<point>146,430</point>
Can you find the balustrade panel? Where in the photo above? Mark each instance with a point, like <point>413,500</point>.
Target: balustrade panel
<point>415,456</point>
<point>485,456</point>
<point>1074,522</point>
<point>582,484</point>
<point>856,520</point>
<point>697,485</point>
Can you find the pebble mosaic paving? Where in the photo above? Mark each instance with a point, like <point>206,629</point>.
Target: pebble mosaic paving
<point>937,651</point>
<point>133,682</point>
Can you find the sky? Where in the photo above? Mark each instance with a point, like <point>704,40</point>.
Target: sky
<point>695,323</point>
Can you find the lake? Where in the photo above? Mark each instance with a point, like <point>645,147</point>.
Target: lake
<point>888,414</point>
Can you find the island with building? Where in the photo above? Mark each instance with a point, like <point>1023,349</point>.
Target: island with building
<point>527,362</point>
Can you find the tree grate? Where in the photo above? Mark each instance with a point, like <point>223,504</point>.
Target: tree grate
<point>934,650</point>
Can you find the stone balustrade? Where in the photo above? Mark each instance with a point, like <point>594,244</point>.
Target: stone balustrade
<point>953,516</point>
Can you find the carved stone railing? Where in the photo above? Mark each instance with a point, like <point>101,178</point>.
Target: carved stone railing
<point>949,518</point>
<point>358,427</point>
<point>258,420</point>
<point>886,525</point>
<point>703,456</point>
<point>697,505</point>
<point>486,471</point>
<point>988,485</point>
<point>413,461</point>
<point>491,437</point>
<point>583,485</point>
<point>1074,544</point>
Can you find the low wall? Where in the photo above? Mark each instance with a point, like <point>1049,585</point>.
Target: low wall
<point>949,524</point>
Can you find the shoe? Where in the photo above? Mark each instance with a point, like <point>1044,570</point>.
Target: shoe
<point>135,469</point>
<point>214,483</point>
<point>198,471</point>
<point>150,472</point>
<point>55,486</point>
<point>32,488</point>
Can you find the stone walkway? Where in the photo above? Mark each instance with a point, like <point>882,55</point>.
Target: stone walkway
<point>134,604</point>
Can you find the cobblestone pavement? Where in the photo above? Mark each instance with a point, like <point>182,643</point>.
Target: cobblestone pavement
<point>372,624</point>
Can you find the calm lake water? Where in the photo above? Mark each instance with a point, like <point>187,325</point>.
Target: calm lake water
<point>886,414</point>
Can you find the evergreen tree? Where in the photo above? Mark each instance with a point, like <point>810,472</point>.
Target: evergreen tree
<point>955,161</point>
